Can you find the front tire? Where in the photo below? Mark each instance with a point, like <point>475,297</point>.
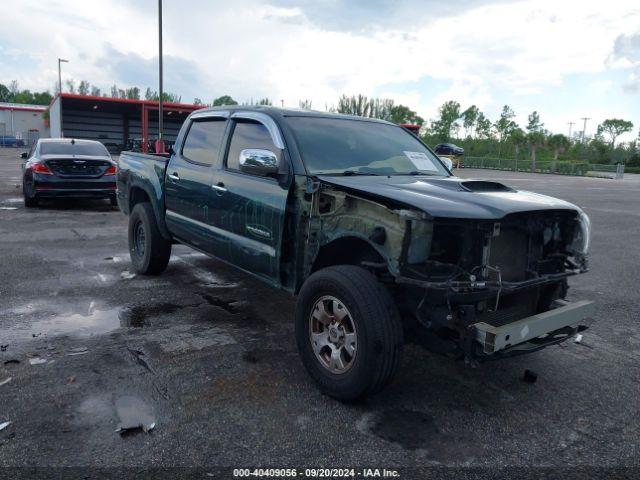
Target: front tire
<point>149,250</point>
<point>348,332</point>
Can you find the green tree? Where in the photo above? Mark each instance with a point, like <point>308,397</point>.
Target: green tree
<point>483,127</point>
<point>535,139</point>
<point>381,108</point>
<point>403,114</point>
<point>133,93</point>
<point>447,123</point>
<point>5,94</point>
<point>534,125</point>
<point>519,139</point>
<point>197,101</point>
<point>505,124</point>
<point>171,97</point>
<point>305,104</point>
<point>71,85</point>
<point>559,143</point>
<point>358,105</point>
<point>24,96</point>
<point>153,96</point>
<point>95,91</point>
<point>224,100</point>
<point>614,127</point>
<point>84,87</point>
<point>115,91</point>
<point>535,136</point>
<point>42,98</point>
<point>469,119</point>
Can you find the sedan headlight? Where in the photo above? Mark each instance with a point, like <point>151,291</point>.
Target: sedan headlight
<point>582,235</point>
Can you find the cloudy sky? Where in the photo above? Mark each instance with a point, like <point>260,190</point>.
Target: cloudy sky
<point>567,59</point>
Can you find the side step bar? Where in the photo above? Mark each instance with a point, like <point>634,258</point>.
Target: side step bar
<point>494,339</point>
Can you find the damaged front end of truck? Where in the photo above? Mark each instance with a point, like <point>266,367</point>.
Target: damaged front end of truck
<point>482,287</point>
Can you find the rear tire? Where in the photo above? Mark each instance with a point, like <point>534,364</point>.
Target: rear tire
<point>149,250</point>
<point>30,200</point>
<point>376,332</point>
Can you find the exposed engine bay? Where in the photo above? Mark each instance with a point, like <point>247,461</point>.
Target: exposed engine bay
<point>461,279</point>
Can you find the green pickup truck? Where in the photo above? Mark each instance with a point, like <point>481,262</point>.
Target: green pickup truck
<point>369,229</point>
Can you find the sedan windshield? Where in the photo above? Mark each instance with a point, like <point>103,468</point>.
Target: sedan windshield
<point>335,146</point>
<point>76,148</point>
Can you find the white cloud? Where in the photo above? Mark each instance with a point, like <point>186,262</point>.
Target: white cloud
<point>488,55</point>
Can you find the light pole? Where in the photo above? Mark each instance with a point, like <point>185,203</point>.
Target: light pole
<point>571,124</point>
<point>160,145</point>
<point>60,61</point>
<point>584,128</point>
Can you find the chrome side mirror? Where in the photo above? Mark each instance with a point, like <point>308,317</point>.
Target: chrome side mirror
<point>447,163</point>
<point>257,161</point>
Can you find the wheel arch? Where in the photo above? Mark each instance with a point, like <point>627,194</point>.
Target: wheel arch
<point>350,249</point>
<point>140,193</point>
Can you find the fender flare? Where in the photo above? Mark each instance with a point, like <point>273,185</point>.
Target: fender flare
<point>158,209</point>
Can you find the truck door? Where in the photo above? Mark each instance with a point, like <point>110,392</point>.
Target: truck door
<point>250,208</point>
<point>188,180</point>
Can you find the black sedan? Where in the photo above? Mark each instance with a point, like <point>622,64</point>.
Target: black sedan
<point>60,167</point>
<point>448,149</point>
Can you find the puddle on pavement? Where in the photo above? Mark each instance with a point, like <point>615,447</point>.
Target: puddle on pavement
<point>140,316</point>
<point>85,324</point>
<point>415,430</point>
<point>409,428</point>
<point>88,322</point>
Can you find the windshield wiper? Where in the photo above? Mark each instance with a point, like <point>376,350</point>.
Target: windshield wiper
<point>416,172</point>
<point>349,173</point>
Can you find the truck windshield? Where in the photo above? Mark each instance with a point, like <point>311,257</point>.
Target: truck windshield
<point>336,146</point>
<point>76,148</point>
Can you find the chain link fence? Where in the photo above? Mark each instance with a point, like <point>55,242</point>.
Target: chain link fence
<point>555,166</point>
<point>17,139</point>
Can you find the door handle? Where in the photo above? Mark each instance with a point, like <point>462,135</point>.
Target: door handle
<point>219,187</point>
<point>174,176</point>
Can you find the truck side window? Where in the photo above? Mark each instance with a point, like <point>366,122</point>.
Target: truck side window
<point>202,144</point>
<point>248,135</point>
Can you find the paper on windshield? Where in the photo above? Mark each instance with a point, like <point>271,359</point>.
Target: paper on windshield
<point>421,161</point>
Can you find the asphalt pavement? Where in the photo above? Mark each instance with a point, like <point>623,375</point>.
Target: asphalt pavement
<point>206,356</point>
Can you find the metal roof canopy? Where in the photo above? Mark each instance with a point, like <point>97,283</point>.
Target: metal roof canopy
<point>129,108</point>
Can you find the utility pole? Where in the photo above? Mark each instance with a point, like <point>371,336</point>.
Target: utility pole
<point>584,128</point>
<point>571,124</point>
<point>160,143</point>
<point>60,61</point>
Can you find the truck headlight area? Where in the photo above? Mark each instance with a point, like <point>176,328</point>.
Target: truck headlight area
<point>582,235</point>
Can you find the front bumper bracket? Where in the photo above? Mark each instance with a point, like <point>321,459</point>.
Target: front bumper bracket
<point>493,339</point>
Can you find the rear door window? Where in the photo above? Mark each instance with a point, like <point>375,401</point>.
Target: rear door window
<point>202,144</point>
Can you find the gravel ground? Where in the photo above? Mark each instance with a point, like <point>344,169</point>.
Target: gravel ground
<point>208,354</point>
